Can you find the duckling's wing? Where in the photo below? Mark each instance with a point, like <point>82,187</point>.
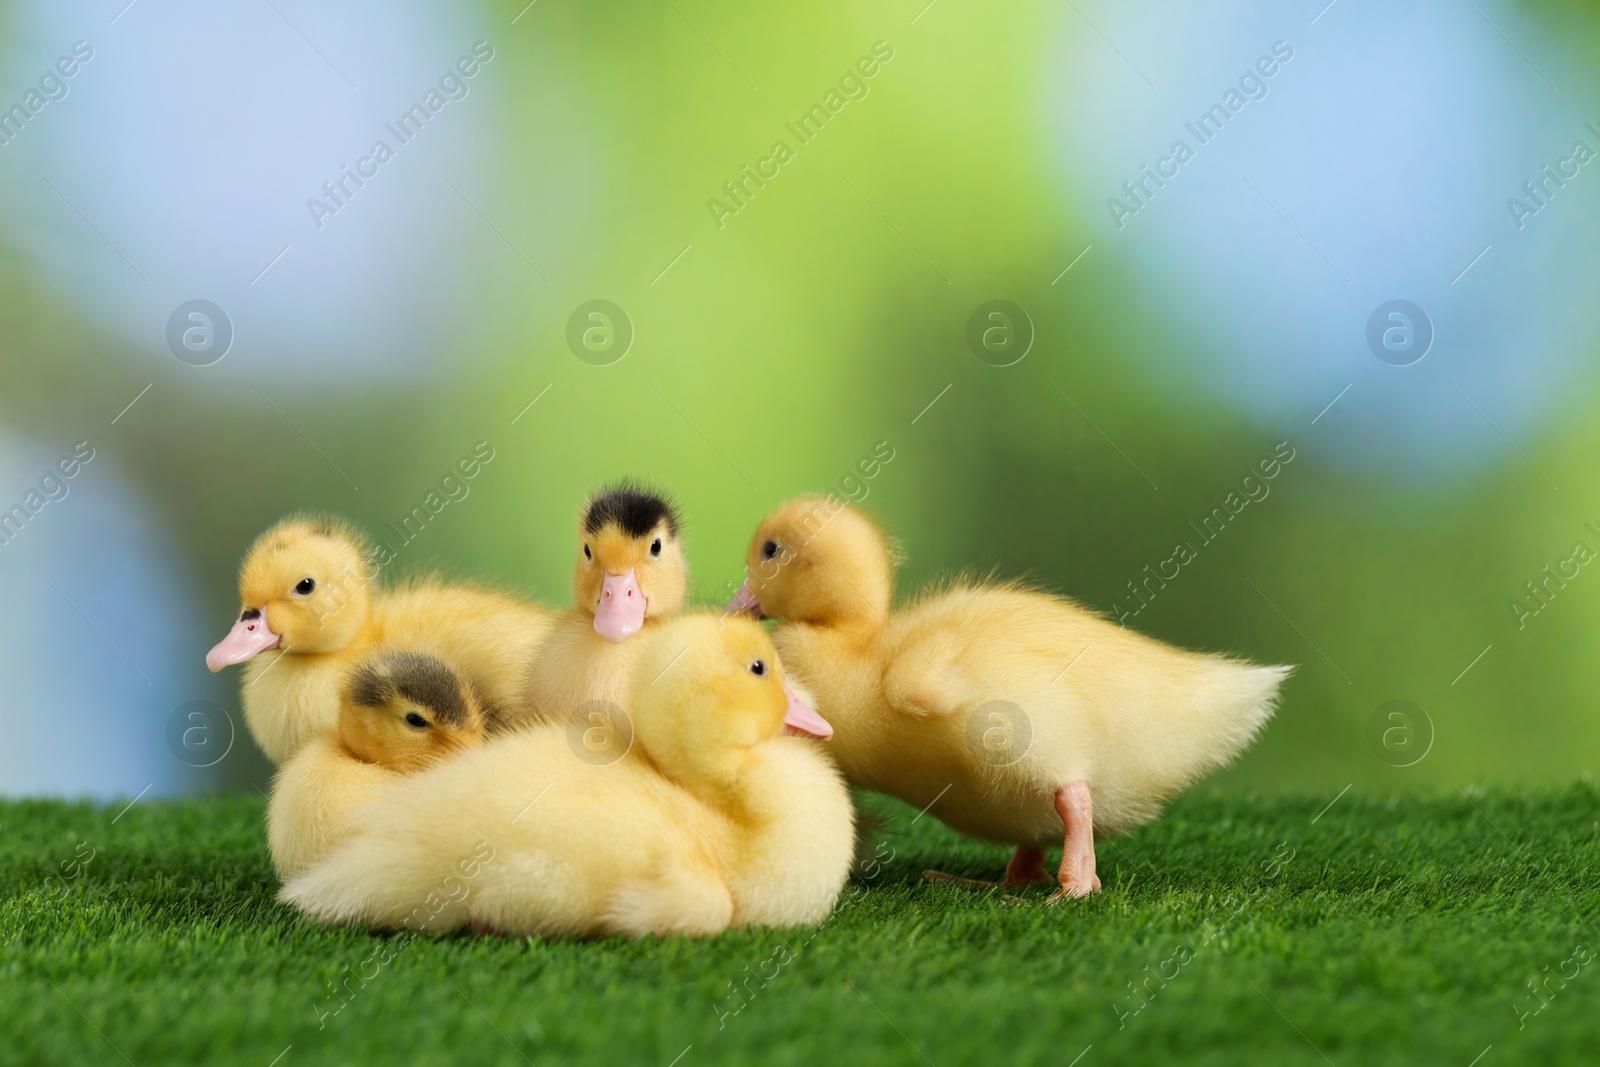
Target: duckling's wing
<point>312,798</point>
<point>926,677</point>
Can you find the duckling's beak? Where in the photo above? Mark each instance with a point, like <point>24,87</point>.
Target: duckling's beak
<point>744,602</point>
<point>801,719</point>
<point>620,613</point>
<point>249,636</point>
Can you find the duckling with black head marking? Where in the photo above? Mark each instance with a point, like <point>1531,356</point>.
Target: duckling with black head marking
<point>399,712</point>
<point>630,575</point>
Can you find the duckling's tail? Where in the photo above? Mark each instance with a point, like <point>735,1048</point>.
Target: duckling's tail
<point>408,861</point>
<point>1236,700</point>
<point>322,893</point>
<point>370,882</point>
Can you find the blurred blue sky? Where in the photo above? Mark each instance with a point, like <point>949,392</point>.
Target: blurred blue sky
<point>1377,167</point>
<point>98,633</point>
<point>192,140</point>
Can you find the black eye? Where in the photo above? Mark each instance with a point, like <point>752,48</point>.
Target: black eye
<point>758,668</point>
<point>413,719</point>
<point>305,586</point>
<point>769,550</point>
<point>586,554</point>
<point>655,547</point>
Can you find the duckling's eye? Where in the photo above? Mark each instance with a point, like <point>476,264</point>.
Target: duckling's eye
<point>586,553</point>
<point>758,668</point>
<point>305,586</point>
<point>413,719</point>
<point>769,550</point>
<point>655,547</point>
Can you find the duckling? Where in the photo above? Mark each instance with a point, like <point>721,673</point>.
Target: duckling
<point>1013,715</point>
<point>405,711</point>
<point>713,818</point>
<point>630,575</point>
<point>399,712</point>
<point>310,613</point>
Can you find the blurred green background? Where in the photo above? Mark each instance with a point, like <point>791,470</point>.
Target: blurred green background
<point>774,351</point>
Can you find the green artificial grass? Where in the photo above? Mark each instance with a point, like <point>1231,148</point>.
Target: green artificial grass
<point>1389,929</point>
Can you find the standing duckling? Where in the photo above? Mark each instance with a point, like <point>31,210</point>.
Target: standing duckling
<point>1013,715</point>
<point>310,615</point>
<point>713,818</point>
<point>630,576</point>
<point>400,712</point>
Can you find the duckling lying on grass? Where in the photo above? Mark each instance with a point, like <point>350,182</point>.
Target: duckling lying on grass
<point>712,819</point>
<point>1014,715</point>
<point>400,712</point>
<point>310,614</point>
<point>630,576</point>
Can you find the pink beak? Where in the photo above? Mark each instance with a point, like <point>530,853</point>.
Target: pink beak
<point>620,613</point>
<point>249,636</point>
<point>802,720</point>
<point>744,602</point>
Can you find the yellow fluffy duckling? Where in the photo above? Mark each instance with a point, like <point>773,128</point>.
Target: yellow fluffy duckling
<point>310,614</point>
<point>1014,715</point>
<point>630,576</point>
<point>400,712</point>
<point>711,819</point>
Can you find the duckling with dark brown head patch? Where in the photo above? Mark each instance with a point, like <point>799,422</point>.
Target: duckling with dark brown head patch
<point>405,710</point>
<point>399,712</point>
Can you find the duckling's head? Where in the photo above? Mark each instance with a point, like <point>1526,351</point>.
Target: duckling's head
<point>707,692</point>
<point>631,564</point>
<point>304,587</point>
<point>405,710</point>
<point>817,560</point>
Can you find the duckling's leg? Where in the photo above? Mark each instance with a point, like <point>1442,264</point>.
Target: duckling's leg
<point>1076,809</point>
<point>1027,865</point>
